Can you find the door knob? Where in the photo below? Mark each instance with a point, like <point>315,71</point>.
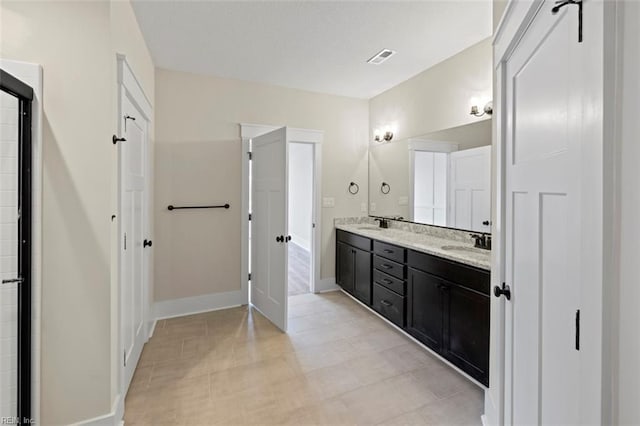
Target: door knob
<point>13,280</point>
<point>280,239</point>
<point>147,243</point>
<point>504,291</point>
<point>287,239</point>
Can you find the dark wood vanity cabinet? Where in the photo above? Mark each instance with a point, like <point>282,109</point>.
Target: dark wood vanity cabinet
<point>425,308</point>
<point>448,310</point>
<point>353,265</point>
<point>466,331</point>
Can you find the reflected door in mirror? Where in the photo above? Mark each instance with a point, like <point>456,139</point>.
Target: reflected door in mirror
<point>470,189</point>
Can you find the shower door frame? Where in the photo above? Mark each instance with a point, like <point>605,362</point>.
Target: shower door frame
<point>24,94</point>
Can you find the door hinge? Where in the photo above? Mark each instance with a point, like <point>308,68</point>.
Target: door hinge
<point>249,276</point>
<point>250,155</point>
<point>578,330</point>
<point>124,357</point>
<point>127,117</point>
<point>250,216</point>
<point>125,240</point>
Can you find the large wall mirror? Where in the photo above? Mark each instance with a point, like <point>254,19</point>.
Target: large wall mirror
<point>441,178</point>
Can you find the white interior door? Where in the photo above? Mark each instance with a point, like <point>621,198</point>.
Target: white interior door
<point>545,224</point>
<point>133,219</point>
<point>470,183</point>
<point>269,225</point>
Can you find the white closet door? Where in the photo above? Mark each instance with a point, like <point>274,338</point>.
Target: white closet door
<point>133,219</point>
<point>546,226</point>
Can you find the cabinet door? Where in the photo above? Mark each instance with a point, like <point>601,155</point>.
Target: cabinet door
<point>345,267</point>
<point>362,279</point>
<point>425,308</point>
<point>466,331</point>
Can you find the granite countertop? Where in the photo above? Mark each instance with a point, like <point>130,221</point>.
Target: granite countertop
<point>452,249</point>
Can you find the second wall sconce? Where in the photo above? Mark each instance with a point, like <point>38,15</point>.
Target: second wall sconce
<point>488,109</point>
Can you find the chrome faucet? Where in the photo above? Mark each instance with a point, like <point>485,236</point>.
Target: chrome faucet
<point>482,241</point>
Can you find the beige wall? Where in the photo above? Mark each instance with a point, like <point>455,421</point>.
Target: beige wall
<point>438,98</point>
<point>73,42</point>
<point>198,159</point>
<point>498,9</point>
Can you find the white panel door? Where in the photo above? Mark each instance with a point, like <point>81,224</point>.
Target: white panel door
<point>269,225</point>
<point>133,169</point>
<point>544,164</point>
<point>470,183</point>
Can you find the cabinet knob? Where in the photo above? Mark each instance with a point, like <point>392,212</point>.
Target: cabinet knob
<point>280,239</point>
<point>504,291</point>
<point>147,243</point>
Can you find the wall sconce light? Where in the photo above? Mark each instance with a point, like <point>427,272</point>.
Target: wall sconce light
<point>385,136</point>
<point>488,109</point>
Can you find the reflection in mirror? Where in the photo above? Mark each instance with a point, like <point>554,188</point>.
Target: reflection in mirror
<point>441,178</point>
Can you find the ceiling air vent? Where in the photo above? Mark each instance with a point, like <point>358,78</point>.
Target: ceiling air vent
<point>381,56</point>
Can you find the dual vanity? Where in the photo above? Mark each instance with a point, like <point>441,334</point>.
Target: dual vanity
<point>430,282</point>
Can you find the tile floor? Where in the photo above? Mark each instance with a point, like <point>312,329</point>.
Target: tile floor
<point>339,364</point>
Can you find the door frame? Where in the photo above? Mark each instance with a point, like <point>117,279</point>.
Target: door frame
<point>294,135</point>
<point>515,21</point>
<point>129,87</point>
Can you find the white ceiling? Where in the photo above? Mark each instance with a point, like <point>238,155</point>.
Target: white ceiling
<point>319,46</point>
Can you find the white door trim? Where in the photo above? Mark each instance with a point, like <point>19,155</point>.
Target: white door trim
<point>316,137</point>
<point>129,86</point>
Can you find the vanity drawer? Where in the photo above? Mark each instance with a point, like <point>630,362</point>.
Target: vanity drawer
<point>389,304</point>
<point>389,251</point>
<point>392,283</point>
<point>389,267</point>
<point>467,276</point>
<point>353,240</point>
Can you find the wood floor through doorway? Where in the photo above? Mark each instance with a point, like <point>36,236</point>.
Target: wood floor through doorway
<point>339,364</point>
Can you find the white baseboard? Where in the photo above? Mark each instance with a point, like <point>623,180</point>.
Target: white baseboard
<point>152,328</point>
<point>197,304</point>
<point>326,284</point>
<point>111,419</point>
